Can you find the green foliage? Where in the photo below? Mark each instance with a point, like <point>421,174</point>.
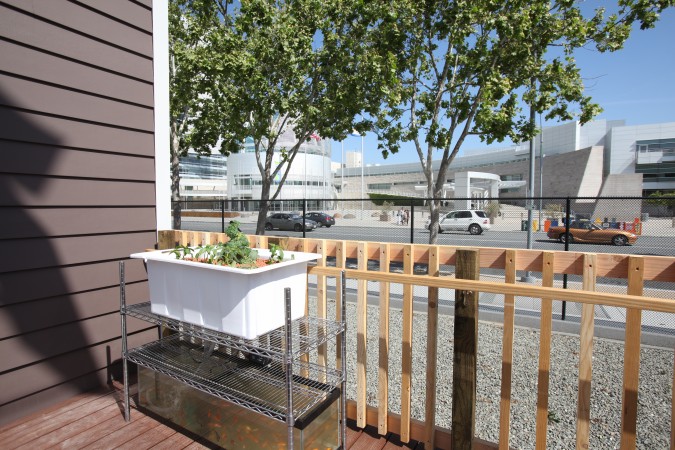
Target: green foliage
<point>264,68</point>
<point>553,210</point>
<point>553,417</point>
<point>395,200</point>
<point>666,200</point>
<point>492,209</point>
<point>236,252</point>
<point>468,67</point>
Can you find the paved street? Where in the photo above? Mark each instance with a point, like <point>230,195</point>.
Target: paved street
<point>504,235</point>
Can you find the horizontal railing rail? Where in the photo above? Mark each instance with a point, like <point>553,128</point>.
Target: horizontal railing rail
<point>635,269</point>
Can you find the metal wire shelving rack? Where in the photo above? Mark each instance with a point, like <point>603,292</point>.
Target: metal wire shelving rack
<point>266,375</point>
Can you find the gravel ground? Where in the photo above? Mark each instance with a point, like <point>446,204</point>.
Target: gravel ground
<point>656,375</point>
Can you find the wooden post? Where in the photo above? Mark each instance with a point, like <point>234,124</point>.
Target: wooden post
<point>464,353</point>
<point>406,345</point>
<point>543,378</point>
<point>361,338</point>
<point>586,354</point>
<point>507,352</point>
<point>383,356</point>
<point>631,358</point>
<point>432,351</point>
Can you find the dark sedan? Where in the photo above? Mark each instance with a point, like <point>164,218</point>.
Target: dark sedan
<point>287,221</point>
<point>321,219</point>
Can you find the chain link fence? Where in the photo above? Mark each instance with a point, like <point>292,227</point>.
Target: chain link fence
<point>634,226</point>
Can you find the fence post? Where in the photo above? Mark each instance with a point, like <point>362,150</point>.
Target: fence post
<point>304,214</point>
<point>465,353</point>
<point>567,249</point>
<point>412,222</point>
<point>222,216</point>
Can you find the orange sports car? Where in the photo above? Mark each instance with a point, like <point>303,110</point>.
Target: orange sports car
<point>586,231</point>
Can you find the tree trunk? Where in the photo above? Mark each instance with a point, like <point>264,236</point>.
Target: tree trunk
<point>434,210</point>
<point>175,177</point>
<point>264,207</point>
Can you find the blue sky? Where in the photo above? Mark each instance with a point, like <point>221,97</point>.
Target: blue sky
<point>636,83</point>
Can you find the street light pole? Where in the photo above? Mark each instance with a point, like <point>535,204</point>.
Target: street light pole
<point>541,171</point>
<point>362,186</point>
<point>342,170</point>
<point>530,191</point>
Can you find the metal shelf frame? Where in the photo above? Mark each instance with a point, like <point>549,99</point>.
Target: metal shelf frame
<point>248,384</point>
<point>261,375</point>
<point>308,333</point>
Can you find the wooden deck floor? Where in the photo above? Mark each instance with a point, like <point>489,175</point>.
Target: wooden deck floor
<point>95,420</point>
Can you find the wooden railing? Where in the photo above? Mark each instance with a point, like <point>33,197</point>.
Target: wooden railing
<point>468,262</point>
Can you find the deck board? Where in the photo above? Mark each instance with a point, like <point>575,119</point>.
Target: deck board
<point>72,429</point>
<point>95,420</point>
<point>42,425</point>
<point>369,439</point>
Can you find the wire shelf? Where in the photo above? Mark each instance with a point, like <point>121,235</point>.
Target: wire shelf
<point>257,386</point>
<point>308,333</point>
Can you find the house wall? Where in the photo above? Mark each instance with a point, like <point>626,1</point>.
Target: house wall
<point>77,191</point>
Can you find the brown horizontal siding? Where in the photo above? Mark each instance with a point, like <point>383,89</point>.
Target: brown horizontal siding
<point>37,222</point>
<point>40,191</point>
<point>21,318</point>
<point>27,62</point>
<point>21,27</point>
<point>91,23</point>
<point>65,367</point>
<point>45,383</point>
<point>129,12</point>
<point>20,157</point>
<point>37,128</point>
<point>17,287</point>
<point>77,191</point>
<point>147,3</point>
<point>46,252</point>
<point>41,345</point>
<point>52,100</point>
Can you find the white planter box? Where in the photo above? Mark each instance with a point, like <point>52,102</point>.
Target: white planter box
<point>242,302</point>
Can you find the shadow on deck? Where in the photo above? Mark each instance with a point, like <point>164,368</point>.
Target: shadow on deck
<point>96,420</point>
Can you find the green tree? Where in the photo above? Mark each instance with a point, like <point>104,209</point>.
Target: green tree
<point>271,67</point>
<point>666,200</point>
<point>468,66</point>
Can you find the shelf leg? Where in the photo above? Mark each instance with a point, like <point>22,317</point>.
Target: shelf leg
<point>288,361</point>
<point>343,351</point>
<point>123,318</point>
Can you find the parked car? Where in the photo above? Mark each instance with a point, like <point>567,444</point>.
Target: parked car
<point>587,231</point>
<point>321,219</point>
<point>288,221</point>
<point>473,221</point>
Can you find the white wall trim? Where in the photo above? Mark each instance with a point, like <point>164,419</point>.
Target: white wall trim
<point>160,26</point>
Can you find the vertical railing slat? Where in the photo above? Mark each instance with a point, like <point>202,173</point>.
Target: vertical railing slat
<point>544,353</point>
<point>672,412</point>
<point>321,302</point>
<point>586,355</point>
<point>432,351</point>
<point>507,352</point>
<point>304,331</point>
<point>340,263</point>
<point>383,369</point>
<point>361,336</point>
<point>406,345</point>
<point>631,358</point>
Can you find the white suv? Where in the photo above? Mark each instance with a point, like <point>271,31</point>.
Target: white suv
<point>475,222</point>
